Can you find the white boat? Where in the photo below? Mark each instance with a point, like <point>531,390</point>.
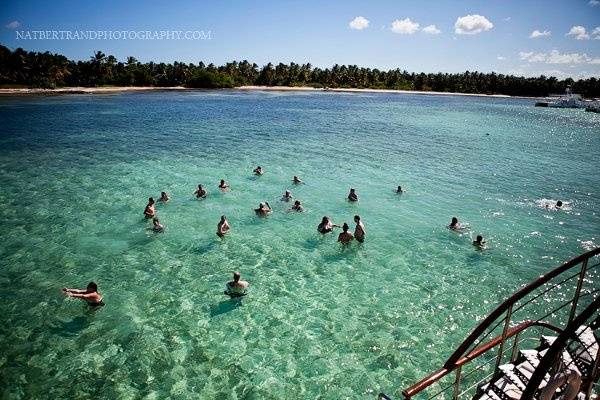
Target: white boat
<point>567,100</point>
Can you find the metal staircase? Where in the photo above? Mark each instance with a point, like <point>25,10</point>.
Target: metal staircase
<point>552,353</point>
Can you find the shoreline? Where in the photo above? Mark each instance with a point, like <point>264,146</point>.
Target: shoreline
<point>125,89</point>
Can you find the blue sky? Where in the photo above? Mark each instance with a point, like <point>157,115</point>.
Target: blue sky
<point>493,35</point>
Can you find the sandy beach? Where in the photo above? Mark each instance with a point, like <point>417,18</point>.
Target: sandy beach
<point>118,89</point>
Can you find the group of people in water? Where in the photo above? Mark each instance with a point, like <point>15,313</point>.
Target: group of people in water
<point>238,287</point>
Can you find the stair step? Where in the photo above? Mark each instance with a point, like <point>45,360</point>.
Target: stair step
<point>509,372</point>
<point>488,393</point>
<point>589,349</point>
<point>505,389</point>
<point>548,340</point>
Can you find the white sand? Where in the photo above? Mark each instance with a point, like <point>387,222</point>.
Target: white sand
<point>117,89</point>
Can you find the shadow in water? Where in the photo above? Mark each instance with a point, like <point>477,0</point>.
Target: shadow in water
<point>71,328</point>
<point>225,306</point>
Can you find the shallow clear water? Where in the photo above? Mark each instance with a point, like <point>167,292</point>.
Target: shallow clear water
<point>322,320</point>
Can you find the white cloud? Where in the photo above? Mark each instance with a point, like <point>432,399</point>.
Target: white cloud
<point>594,3</point>
<point>579,32</point>
<point>555,57</point>
<point>359,23</point>
<point>472,24</point>
<point>596,32</point>
<point>507,19</point>
<point>501,58</point>
<point>405,26</point>
<point>536,34</point>
<point>13,25</point>
<point>431,30</point>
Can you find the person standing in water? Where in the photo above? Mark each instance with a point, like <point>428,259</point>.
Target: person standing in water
<point>164,197</point>
<point>297,206</point>
<point>399,190</point>
<point>223,226</point>
<point>263,209</point>
<point>345,236</point>
<point>258,171</point>
<point>89,295</point>
<point>157,226</point>
<point>455,225</point>
<point>223,186</point>
<point>296,180</point>
<point>359,231</point>
<point>149,211</point>
<point>287,196</point>
<point>479,242</point>
<point>352,196</point>
<point>236,287</point>
<point>559,204</point>
<point>326,225</point>
<point>200,192</point>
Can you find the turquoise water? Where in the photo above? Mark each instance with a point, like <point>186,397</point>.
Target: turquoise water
<point>322,320</point>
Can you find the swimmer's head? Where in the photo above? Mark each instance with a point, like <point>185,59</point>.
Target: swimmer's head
<point>287,193</point>
<point>261,205</point>
<point>295,178</point>
<point>325,220</point>
<point>223,218</point>
<point>357,218</point>
<point>454,220</point>
<point>236,276</point>
<point>559,203</point>
<point>479,238</point>
<point>155,221</point>
<point>345,227</point>
<point>351,190</point>
<point>258,167</point>
<point>399,188</point>
<point>92,287</point>
<point>222,181</point>
<point>199,186</point>
<point>151,200</point>
<point>297,202</point>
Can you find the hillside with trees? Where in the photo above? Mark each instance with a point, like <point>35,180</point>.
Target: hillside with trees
<point>21,68</point>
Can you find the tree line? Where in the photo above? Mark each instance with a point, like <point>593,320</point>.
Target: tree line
<point>46,70</point>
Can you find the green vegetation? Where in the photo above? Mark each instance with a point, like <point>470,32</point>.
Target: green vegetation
<point>46,70</point>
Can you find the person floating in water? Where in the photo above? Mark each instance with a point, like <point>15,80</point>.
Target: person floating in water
<point>200,192</point>
<point>345,236</point>
<point>287,196</point>
<point>223,186</point>
<point>150,212</point>
<point>455,225</point>
<point>223,226</point>
<point>89,295</point>
<point>326,225</point>
<point>263,209</point>
<point>559,204</point>
<point>399,190</point>
<point>157,226</point>
<point>164,197</point>
<point>296,180</point>
<point>359,231</point>
<point>297,207</point>
<point>236,287</point>
<point>479,242</point>
<point>258,171</point>
<point>352,196</point>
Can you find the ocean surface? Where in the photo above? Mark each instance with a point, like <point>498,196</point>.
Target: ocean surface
<point>322,320</point>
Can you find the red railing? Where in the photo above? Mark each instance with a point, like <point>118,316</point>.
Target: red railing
<point>472,348</point>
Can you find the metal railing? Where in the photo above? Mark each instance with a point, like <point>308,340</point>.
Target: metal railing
<point>548,303</point>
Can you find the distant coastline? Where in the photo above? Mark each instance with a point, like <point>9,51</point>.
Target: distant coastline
<point>132,89</point>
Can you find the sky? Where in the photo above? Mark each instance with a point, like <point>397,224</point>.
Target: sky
<point>523,37</point>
